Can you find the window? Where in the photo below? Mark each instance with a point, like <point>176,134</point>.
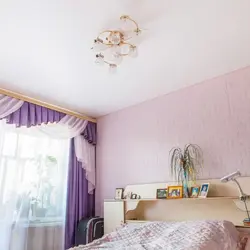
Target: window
<point>33,174</point>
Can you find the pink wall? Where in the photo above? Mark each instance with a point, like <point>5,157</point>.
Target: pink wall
<point>133,144</point>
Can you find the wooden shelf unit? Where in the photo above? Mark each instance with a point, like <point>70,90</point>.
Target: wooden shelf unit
<point>223,203</point>
<point>186,199</point>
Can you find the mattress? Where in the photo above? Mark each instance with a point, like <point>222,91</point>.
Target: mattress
<point>188,235</point>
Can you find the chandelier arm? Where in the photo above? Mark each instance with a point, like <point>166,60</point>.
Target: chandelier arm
<point>105,31</point>
<point>109,63</point>
<point>111,31</point>
<point>106,62</point>
<point>132,20</point>
<point>121,54</point>
<point>126,43</point>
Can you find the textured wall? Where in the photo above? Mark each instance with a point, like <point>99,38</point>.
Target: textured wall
<point>133,144</point>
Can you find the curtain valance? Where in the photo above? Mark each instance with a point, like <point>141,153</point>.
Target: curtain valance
<point>27,114</point>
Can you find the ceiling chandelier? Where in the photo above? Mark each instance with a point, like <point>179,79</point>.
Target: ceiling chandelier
<point>111,46</point>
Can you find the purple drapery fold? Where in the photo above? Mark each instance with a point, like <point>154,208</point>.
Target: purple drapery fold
<point>80,204</point>
<point>31,115</point>
<point>90,133</point>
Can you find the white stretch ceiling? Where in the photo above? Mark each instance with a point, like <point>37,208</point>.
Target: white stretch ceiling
<point>45,49</point>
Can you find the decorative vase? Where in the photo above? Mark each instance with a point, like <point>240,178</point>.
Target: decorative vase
<point>185,185</point>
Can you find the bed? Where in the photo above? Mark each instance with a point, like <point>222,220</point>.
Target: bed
<point>188,235</point>
<point>184,224</point>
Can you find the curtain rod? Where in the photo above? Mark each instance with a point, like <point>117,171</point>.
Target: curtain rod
<point>46,105</point>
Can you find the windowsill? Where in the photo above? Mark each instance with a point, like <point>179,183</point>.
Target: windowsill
<point>41,222</point>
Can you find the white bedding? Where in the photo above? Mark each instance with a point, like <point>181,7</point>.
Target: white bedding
<point>189,235</point>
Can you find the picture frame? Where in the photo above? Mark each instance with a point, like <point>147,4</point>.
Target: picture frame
<point>127,196</point>
<point>161,193</point>
<point>195,191</point>
<point>131,196</point>
<point>119,193</point>
<point>175,192</point>
<point>204,190</point>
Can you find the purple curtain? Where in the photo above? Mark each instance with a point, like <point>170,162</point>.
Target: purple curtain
<point>31,115</point>
<point>80,204</point>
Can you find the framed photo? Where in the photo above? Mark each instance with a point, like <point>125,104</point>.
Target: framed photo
<point>175,192</point>
<point>195,192</point>
<point>204,190</point>
<point>127,196</point>
<point>119,193</point>
<point>161,193</point>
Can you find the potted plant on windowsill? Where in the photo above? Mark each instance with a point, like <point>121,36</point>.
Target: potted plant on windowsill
<point>41,202</point>
<point>186,165</point>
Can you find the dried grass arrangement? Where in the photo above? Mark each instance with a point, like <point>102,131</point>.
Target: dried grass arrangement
<point>186,165</point>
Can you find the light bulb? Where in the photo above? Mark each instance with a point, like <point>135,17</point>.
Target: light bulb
<point>112,68</point>
<point>133,51</point>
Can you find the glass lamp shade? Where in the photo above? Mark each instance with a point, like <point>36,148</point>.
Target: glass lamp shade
<point>113,55</point>
<point>99,60</point>
<point>117,58</point>
<point>98,46</point>
<point>133,52</point>
<point>112,68</point>
<point>115,48</point>
<point>115,38</point>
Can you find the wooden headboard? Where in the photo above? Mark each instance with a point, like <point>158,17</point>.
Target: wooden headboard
<point>222,203</point>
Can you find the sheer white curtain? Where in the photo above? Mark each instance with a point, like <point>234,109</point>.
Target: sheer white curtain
<point>72,127</point>
<point>33,174</point>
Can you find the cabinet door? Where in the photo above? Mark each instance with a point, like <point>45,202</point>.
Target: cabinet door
<point>113,215</point>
